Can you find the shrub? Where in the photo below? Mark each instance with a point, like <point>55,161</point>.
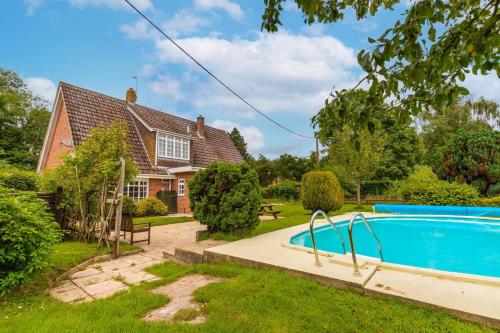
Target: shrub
<point>287,189</point>
<point>321,190</point>
<point>128,205</point>
<point>27,233</point>
<point>150,207</point>
<point>20,180</point>
<point>423,187</point>
<point>226,197</point>
<point>374,187</point>
<point>488,202</point>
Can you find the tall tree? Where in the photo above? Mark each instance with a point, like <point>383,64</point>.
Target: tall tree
<point>402,151</point>
<point>416,64</point>
<point>23,121</point>
<point>292,167</point>
<point>241,145</point>
<point>357,161</point>
<point>265,169</point>
<point>474,158</point>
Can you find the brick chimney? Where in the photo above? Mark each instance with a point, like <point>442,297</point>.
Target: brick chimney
<point>131,96</point>
<point>200,126</point>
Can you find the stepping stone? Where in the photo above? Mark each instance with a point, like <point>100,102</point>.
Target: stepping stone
<point>180,294</point>
<point>136,259</point>
<point>138,277</point>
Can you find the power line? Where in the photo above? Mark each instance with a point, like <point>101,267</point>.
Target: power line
<point>215,77</point>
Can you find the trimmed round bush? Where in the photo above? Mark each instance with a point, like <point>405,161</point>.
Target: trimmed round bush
<point>321,191</point>
<point>226,197</point>
<point>27,234</point>
<point>150,207</point>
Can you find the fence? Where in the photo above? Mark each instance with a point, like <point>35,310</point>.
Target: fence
<point>53,200</point>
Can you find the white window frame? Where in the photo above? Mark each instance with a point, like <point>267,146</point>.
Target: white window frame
<point>171,141</point>
<point>138,180</point>
<point>181,187</point>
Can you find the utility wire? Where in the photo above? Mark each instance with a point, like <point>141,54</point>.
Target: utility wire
<point>215,77</point>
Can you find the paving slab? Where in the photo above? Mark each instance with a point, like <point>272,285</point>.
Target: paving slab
<point>97,290</point>
<point>69,293</point>
<point>86,272</point>
<point>138,277</point>
<point>461,297</point>
<point>92,279</point>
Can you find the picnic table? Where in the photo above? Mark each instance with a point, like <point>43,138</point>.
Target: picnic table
<point>267,209</point>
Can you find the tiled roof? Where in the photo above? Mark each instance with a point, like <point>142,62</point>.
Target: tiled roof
<point>88,109</point>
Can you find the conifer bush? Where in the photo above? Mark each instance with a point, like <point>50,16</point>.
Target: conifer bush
<point>226,197</point>
<point>321,191</point>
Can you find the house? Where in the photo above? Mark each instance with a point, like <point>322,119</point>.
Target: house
<point>168,150</point>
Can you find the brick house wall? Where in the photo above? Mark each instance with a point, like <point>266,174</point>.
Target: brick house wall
<point>183,201</point>
<point>62,133</point>
<point>155,186</point>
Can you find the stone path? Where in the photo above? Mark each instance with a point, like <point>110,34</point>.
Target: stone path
<point>107,278</point>
<point>180,294</point>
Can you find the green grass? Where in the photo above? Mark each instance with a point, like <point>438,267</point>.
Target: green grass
<point>249,300</point>
<point>293,214</point>
<point>162,220</point>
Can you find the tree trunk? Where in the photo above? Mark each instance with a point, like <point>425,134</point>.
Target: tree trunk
<point>358,193</point>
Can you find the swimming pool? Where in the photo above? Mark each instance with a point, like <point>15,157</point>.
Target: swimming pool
<point>454,244</point>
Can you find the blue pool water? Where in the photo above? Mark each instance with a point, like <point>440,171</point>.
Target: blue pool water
<point>454,244</point>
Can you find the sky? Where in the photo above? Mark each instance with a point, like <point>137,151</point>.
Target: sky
<point>102,44</point>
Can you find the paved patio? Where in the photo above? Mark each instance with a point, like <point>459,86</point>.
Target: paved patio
<point>104,279</point>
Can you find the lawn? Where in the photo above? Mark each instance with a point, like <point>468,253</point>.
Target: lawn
<point>250,300</point>
<point>162,220</point>
<point>293,214</point>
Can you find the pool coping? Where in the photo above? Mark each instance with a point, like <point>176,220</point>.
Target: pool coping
<point>273,250</point>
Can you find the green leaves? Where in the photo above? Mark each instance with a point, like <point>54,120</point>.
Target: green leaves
<point>419,70</point>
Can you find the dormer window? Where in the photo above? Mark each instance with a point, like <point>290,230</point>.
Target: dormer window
<point>170,146</point>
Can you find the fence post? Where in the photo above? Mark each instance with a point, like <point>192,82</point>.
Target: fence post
<point>118,219</point>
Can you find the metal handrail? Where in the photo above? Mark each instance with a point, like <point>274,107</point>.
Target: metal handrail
<point>351,240</point>
<point>313,238</point>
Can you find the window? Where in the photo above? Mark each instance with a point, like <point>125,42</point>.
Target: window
<point>170,146</point>
<point>137,189</point>
<point>180,188</point>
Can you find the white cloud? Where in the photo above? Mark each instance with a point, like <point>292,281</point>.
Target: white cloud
<point>314,29</point>
<point>32,5</point>
<point>233,9</point>
<point>42,87</point>
<point>253,136</point>
<point>115,4</point>
<point>183,23</point>
<point>487,86</point>
<point>276,72</point>
<point>137,30</point>
<point>168,87</point>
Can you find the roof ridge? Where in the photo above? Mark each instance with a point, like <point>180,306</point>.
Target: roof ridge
<point>62,83</point>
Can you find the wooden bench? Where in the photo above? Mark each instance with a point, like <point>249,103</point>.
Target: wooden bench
<point>128,225</point>
<point>267,209</point>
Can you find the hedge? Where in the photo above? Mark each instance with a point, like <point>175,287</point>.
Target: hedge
<point>287,189</point>
<point>18,179</point>
<point>226,197</point>
<point>374,187</point>
<point>488,202</point>
<point>321,191</point>
<point>27,234</point>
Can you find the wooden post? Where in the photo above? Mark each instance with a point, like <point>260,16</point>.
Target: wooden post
<point>118,218</point>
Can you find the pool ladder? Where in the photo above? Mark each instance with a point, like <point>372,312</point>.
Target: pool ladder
<point>351,238</point>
